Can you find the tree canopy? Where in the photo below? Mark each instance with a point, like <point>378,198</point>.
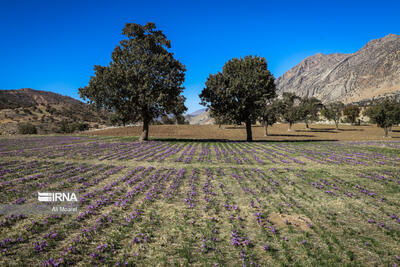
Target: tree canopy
<point>270,114</point>
<point>291,111</point>
<point>385,114</point>
<point>352,112</point>
<point>143,80</point>
<point>310,107</point>
<point>240,91</point>
<point>333,112</point>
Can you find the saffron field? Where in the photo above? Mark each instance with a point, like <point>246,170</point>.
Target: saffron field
<point>202,203</point>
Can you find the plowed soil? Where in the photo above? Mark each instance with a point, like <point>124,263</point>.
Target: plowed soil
<point>279,132</point>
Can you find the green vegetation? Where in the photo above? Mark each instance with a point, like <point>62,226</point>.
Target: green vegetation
<point>270,114</point>
<point>240,92</point>
<point>71,127</point>
<point>291,110</point>
<point>385,114</point>
<point>175,119</point>
<point>202,203</point>
<point>27,128</point>
<point>310,108</point>
<point>352,112</point>
<point>143,80</point>
<point>333,112</point>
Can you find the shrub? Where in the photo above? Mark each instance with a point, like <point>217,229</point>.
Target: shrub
<point>26,111</point>
<point>70,127</point>
<point>50,109</point>
<point>80,126</point>
<point>27,128</point>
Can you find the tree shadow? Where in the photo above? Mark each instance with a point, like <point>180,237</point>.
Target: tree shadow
<point>351,130</point>
<point>328,130</point>
<point>212,140</point>
<point>292,135</point>
<point>240,127</point>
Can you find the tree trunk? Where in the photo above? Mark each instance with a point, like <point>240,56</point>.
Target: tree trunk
<point>386,131</point>
<point>219,125</point>
<point>290,126</point>
<point>308,128</point>
<point>337,125</point>
<point>248,131</point>
<point>145,132</point>
<point>266,129</point>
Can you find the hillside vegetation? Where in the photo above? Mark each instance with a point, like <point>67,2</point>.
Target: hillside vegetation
<point>45,110</point>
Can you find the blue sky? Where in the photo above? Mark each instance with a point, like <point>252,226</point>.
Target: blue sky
<point>53,45</point>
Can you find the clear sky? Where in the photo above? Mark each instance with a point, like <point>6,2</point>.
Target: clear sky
<point>53,45</point>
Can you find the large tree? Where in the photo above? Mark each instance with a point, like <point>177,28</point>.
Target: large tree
<point>240,91</point>
<point>291,110</point>
<point>310,107</point>
<point>385,114</point>
<point>143,80</point>
<point>333,112</point>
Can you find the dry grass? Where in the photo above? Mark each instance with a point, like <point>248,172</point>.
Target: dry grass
<point>278,132</point>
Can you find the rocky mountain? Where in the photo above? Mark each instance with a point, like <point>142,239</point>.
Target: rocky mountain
<point>371,72</point>
<point>198,112</point>
<point>200,117</point>
<point>45,110</point>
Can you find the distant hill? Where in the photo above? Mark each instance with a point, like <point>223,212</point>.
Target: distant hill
<point>43,109</point>
<point>198,112</point>
<point>200,117</point>
<point>371,72</point>
<point>27,97</point>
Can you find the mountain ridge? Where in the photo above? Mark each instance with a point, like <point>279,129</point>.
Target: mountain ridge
<point>372,71</point>
<point>26,97</point>
<point>198,112</point>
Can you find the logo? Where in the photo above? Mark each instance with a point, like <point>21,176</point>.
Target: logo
<point>53,197</point>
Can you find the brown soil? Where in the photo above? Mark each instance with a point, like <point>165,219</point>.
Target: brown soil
<point>283,220</point>
<point>278,132</point>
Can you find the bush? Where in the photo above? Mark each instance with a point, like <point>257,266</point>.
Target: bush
<point>27,128</point>
<point>50,109</point>
<point>70,127</point>
<point>156,122</point>
<point>80,126</point>
<point>167,120</point>
<point>26,111</point>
